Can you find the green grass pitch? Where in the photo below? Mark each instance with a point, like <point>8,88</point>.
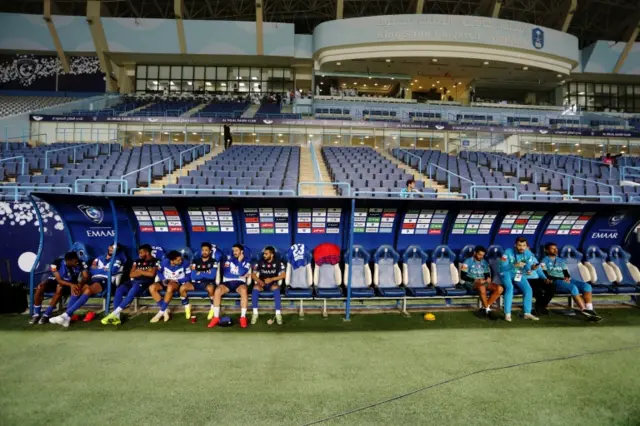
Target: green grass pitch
<point>316,369</point>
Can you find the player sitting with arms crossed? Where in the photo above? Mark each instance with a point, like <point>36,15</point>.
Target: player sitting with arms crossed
<point>173,272</point>
<point>558,273</point>
<point>204,274</point>
<point>68,276</point>
<point>235,272</point>
<point>99,276</point>
<point>476,275</point>
<point>267,273</point>
<point>143,273</point>
<point>514,266</point>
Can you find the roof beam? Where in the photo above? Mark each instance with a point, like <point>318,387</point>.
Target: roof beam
<point>564,14</point>
<point>47,7</point>
<point>179,11</point>
<point>134,9</point>
<point>340,9</point>
<point>419,6</point>
<point>631,31</point>
<point>489,8</point>
<point>100,42</point>
<point>259,32</point>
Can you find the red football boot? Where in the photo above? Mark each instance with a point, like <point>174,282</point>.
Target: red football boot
<point>75,318</point>
<point>243,322</point>
<point>214,321</point>
<point>89,317</point>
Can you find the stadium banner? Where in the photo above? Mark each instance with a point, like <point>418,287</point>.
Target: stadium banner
<point>335,123</point>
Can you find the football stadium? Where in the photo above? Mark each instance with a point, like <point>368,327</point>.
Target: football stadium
<point>305,212</point>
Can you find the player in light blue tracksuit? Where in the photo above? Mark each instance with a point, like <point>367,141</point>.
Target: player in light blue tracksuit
<point>514,266</point>
<point>557,271</point>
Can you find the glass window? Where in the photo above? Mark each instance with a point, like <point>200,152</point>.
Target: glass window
<point>199,73</point>
<point>141,85</point>
<point>255,74</point>
<point>199,85</point>
<point>187,86</point>
<point>187,73</point>
<point>277,73</point>
<point>232,74</point>
<point>606,87</point>
<point>152,85</point>
<point>221,86</point>
<point>266,74</point>
<point>210,86</point>
<point>245,73</point>
<point>581,88</point>
<point>211,73</point>
<point>152,71</point>
<point>165,72</point>
<point>287,74</point>
<point>142,71</point>
<point>176,73</point>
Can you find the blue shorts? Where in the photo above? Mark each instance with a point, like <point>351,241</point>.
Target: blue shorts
<point>233,285</point>
<point>99,280</point>
<point>202,284</point>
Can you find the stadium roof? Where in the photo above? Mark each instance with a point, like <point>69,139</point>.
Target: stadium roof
<point>593,19</point>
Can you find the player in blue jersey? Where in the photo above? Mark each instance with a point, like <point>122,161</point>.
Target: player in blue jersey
<point>267,274</point>
<point>557,272</point>
<point>514,266</point>
<point>143,274</point>
<point>204,274</point>
<point>476,276</point>
<point>235,272</point>
<point>99,276</point>
<point>173,272</point>
<point>68,275</point>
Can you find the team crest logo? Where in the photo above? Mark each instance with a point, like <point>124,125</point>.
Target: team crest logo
<point>439,127</point>
<point>152,120</point>
<point>537,38</point>
<point>94,214</point>
<point>615,219</point>
<point>95,118</point>
<point>27,68</point>
<point>267,121</point>
<point>37,117</point>
<point>544,132</point>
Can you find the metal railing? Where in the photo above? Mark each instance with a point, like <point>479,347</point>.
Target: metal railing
<point>73,148</point>
<point>332,184</point>
<point>588,160</point>
<point>15,158</point>
<point>407,153</point>
<point>150,168</point>
<point>474,189</point>
<point>500,157</point>
<point>204,151</point>
<point>400,194</point>
<point>214,191</point>
<point>124,185</point>
<point>569,177</point>
<point>449,174</point>
<point>20,191</point>
<point>629,172</point>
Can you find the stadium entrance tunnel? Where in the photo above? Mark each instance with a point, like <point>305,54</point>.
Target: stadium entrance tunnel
<point>342,250</point>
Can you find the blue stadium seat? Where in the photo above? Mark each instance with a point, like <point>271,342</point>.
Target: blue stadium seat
<point>387,276</point>
<point>361,275</point>
<point>416,276</point>
<point>602,274</point>
<point>299,279</point>
<point>627,274</point>
<point>444,274</point>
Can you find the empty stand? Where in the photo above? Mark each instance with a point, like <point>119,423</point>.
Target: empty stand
<point>11,105</point>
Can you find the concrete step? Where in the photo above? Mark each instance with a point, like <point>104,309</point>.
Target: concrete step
<point>194,110</point>
<point>251,111</point>
<point>428,183</point>
<point>308,173</point>
<point>173,177</point>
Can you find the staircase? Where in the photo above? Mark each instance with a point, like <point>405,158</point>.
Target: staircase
<point>159,184</point>
<point>136,110</point>
<point>251,111</point>
<point>308,173</point>
<point>194,110</point>
<point>428,183</point>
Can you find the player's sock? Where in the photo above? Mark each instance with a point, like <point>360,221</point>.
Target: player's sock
<point>49,311</point>
<point>590,306</point>
<point>255,295</point>
<point>276,299</point>
<point>243,312</point>
<point>184,300</point>
<point>278,312</point>
<point>78,304</point>
<point>216,311</point>
<point>255,311</point>
<point>37,310</point>
<point>163,306</point>
<point>116,312</point>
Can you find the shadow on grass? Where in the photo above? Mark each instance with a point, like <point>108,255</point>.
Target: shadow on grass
<point>336,323</point>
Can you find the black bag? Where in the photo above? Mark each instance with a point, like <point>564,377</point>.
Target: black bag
<point>13,295</point>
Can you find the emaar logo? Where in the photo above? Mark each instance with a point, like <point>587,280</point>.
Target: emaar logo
<point>94,214</point>
<point>615,219</point>
<point>537,38</point>
<point>604,235</point>
<point>96,233</point>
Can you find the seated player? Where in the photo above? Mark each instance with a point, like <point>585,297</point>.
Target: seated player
<point>558,273</point>
<point>543,290</point>
<point>68,275</point>
<point>98,283</point>
<point>235,272</point>
<point>514,266</point>
<point>204,272</point>
<point>266,274</point>
<point>174,271</point>
<point>142,274</point>
<point>476,275</point>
